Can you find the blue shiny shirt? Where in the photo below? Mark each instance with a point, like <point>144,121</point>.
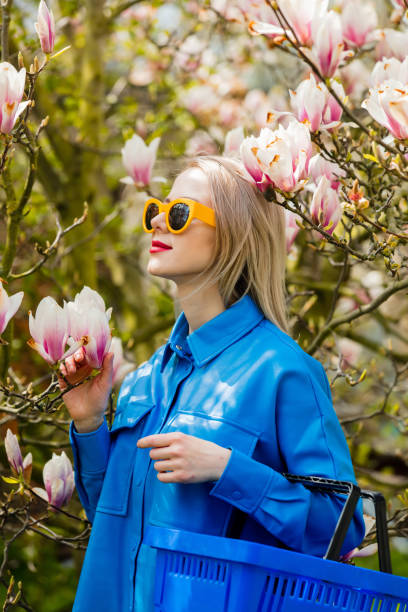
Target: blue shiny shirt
<point>238,381</point>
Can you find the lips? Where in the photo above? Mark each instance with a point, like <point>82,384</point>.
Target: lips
<point>157,243</point>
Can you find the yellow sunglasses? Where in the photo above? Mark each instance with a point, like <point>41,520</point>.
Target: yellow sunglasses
<point>179,214</point>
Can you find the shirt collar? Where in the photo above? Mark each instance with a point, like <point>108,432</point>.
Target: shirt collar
<point>214,336</point>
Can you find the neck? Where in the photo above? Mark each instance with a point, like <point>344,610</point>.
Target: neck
<point>201,307</point>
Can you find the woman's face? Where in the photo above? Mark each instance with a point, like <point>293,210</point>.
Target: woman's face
<point>192,249</point>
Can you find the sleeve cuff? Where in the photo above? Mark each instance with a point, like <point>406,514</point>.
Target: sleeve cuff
<point>243,482</point>
<point>91,449</point>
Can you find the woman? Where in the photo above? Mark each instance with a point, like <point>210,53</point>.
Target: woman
<point>204,430</point>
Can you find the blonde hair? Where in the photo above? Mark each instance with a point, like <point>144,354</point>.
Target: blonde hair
<point>250,243</point>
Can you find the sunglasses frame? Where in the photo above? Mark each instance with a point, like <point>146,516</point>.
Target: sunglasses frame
<point>196,211</point>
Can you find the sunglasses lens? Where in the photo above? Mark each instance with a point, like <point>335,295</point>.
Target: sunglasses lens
<point>178,215</point>
<point>151,211</point>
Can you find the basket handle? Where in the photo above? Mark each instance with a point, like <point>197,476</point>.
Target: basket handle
<point>353,492</point>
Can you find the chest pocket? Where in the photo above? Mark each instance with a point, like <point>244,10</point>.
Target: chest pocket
<point>189,505</point>
<point>116,486</point>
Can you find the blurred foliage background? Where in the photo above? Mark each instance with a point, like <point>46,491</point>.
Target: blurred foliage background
<point>184,71</point>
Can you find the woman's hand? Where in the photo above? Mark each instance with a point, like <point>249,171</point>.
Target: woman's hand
<point>188,458</point>
<point>87,402</point>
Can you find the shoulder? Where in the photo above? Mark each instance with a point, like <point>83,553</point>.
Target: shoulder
<point>287,356</point>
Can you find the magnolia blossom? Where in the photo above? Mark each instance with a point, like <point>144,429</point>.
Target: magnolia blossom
<point>200,99</point>
<point>49,331</point>
<point>389,69</point>
<point>88,324</point>
<point>319,166</point>
<point>201,142</point>
<point>15,458</point>
<point>11,92</point>
<point>58,479</point>
<point>392,43</point>
<point>278,157</point>
<point>325,208</point>
<point>233,141</point>
<point>292,228</point>
<point>388,105</point>
<point>301,15</point>
<point>121,367</point>
<point>358,21</point>
<point>314,105</point>
<point>355,78</point>
<point>367,551</point>
<point>8,306</point>
<point>247,153</point>
<point>139,159</point>
<point>88,298</point>
<point>328,48</point>
<point>257,105</point>
<point>45,27</point>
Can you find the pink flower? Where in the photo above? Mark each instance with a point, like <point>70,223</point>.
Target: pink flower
<point>358,21</point>
<point>15,458</point>
<point>8,306</point>
<point>389,69</point>
<point>328,48</point>
<point>279,157</point>
<point>355,79</point>
<point>257,105</point>
<point>201,142</point>
<point>45,27</point>
<point>367,551</point>
<point>233,141</point>
<point>388,105</point>
<point>292,228</point>
<point>300,14</point>
<point>392,43</point>
<point>313,105</point>
<point>325,208</point>
<point>11,92</point>
<point>88,323</point>
<point>121,367</point>
<point>58,479</point>
<point>319,166</point>
<point>88,298</point>
<point>50,330</point>
<point>139,159</point>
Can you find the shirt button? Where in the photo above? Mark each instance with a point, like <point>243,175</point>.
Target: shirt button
<point>236,494</point>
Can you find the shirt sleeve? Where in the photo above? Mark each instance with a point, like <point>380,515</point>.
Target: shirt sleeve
<point>91,453</point>
<point>311,443</point>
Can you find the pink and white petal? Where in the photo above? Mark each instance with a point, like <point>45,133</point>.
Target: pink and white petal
<point>260,27</point>
<point>69,488</point>
<point>40,350</point>
<point>42,493</point>
<point>57,492</point>
<point>20,109</point>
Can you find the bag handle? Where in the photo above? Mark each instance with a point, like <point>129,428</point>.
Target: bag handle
<point>353,492</point>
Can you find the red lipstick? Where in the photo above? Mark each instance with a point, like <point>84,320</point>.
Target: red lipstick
<point>159,246</point>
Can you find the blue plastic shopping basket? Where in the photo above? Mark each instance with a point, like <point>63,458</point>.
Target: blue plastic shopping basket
<point>204,573</point>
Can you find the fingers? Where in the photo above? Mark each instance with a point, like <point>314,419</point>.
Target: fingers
<point>79,355</point>
<point>163,466</point>
<point>106,374</point>
<point>163,439</point>
<point>163,452</point>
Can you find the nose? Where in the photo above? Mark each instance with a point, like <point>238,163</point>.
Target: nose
<point>158,222</point>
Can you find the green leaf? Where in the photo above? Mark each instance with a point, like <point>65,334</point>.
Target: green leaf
<point>10,479</point>
<point>370,157</point>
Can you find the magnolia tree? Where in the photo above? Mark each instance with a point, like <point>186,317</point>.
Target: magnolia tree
<point>312,98</point>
